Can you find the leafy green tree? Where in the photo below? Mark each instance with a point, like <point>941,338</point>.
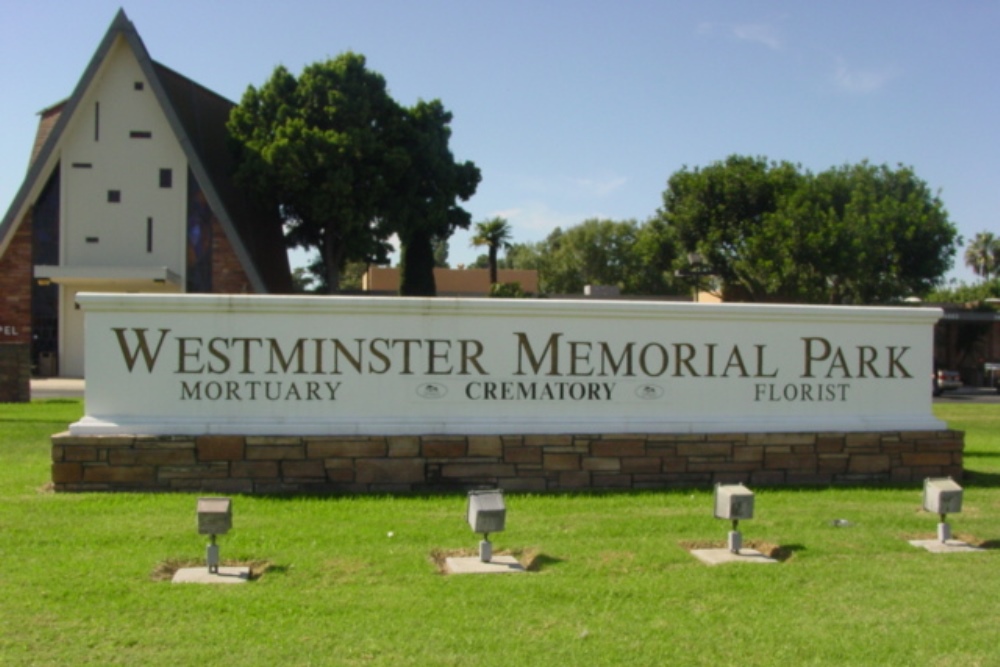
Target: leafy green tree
<point>719,215</point>
<point>637,259</point>
<point>441,249</point>
<point>655,255</point>
<point>507,291</point>
<point>426,183</point>
<point>966,293</point>
<point>303,282</point>
<point>316,148</point>
<point>347,167</point>
<point>518,256</point>
<point>770,232</point>
<point>495,234</point>
<point>983,255</point>
<point>481,262</point>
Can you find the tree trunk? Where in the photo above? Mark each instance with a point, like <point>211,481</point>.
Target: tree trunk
<point>416,265</point>
<point>333,259</point>
<point>493,264</point>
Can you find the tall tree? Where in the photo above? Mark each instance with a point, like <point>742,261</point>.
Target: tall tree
<point>426,184</point>
<point>719,213</point>
<point>853,234</point>
<point>983,255</point>
<point>495,234</point>
<point>636,259</point>
<point>316,147</point>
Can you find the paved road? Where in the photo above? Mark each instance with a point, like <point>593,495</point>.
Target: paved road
<point>969,395</point>
<point>56,388</point>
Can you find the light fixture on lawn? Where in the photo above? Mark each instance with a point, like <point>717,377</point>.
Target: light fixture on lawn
<point>734,502</point>
<point>487,514</point>
<point>943,497</point>
<point>215,517</point>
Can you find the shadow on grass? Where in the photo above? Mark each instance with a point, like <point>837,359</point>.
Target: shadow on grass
<point>779,552</point>
<point>530,559</point>
<point>989,544</point>
<point>165,570</point>
<point>982,480</point>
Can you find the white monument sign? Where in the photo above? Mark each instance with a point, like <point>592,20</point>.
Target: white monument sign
<point>263,365</point>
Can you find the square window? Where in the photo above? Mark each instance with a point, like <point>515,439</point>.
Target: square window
<point>114,196</point>
<point>139,85</point>
<point>166,178</point>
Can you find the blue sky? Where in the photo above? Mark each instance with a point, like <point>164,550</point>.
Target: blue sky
<point>580,109</point>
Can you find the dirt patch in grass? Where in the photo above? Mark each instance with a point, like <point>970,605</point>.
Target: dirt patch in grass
<point>769,549</point>
<point>530,559</point>
<point>971,540</point>
<point>165,570</point>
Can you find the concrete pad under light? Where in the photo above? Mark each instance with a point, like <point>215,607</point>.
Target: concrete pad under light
<point>720,556</point>
<point>472,565</point>
<point>201,575</point>
<point>949,547</point>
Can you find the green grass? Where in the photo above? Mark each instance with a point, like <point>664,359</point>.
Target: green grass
<point>613,586</point>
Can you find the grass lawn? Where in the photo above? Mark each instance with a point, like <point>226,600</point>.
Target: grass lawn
<point>351,581</point>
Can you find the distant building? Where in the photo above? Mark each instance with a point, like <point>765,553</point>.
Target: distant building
<point>966,339</point>
<point>451,282</point>
<point>128,189</point>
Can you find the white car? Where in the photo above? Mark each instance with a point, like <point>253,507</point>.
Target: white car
<point>946,381</point>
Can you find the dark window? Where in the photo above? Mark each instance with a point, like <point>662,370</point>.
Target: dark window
<point>149,235</point>
<point>82,165</point>
<point>45,250</point>
<point>97,121</point>
<point>199,238</point>
<point>139,85</point>
<point>93,239</point>
<point>140,134</point>
<point>166,178</point>
<point>114,196</point>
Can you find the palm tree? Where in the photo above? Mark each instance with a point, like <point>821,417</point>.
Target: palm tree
<point>983,255</point>
<point>494,234</point>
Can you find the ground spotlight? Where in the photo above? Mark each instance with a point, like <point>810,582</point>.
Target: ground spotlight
<point>215,517</point>
<point>943,497</point>
<point>734,502</point>
<point>487,514</point>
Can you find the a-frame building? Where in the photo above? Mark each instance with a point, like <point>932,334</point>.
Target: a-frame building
<point>129,188</point>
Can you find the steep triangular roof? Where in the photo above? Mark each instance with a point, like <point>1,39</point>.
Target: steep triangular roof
<point>197,117</point>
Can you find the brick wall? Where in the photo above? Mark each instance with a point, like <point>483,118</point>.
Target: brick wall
<point>398,464</point>
<point>228,276</point>
<point>15,286</point>
<point>15,317</point>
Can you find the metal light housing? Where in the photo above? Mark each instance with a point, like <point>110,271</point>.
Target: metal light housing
<point>733,502</point>
<point>215,517</point>
<point>486,513</point>
<point>943,497</point>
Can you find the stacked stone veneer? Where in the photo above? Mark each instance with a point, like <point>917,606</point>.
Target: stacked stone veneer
<point>249,464</point>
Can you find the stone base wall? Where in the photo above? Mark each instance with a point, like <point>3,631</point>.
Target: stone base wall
<point>399,464</point>
<point>15,373</point>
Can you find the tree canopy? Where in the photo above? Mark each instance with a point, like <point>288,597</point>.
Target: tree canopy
<point>770,231</point>
<point>983,255</point>
<point>422,209</point>
<point>495,234</point>
<point>346,167</point>
<point>635,258</point>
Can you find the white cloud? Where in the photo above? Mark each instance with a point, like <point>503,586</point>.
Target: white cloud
<point>705,28</point>
<point>574,187</point>
<point>759,33</point>
<point>600,187</point>
<point>861,81</point>
<point>535,220</point>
